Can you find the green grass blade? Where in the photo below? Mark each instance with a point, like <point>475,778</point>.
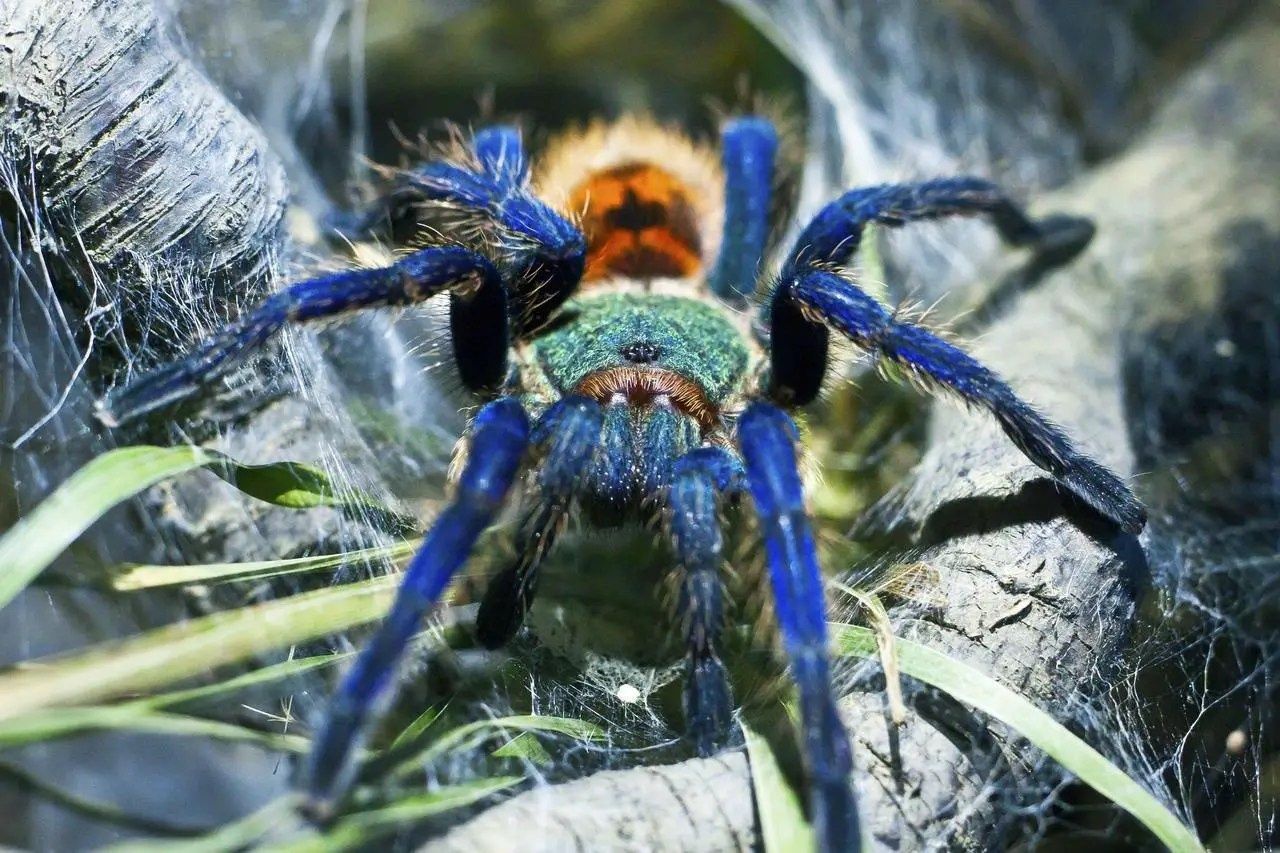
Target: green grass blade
<point>236,835</point>
<point>133,577</point>
<point>66,722</point>
<point>972,687</point>
<point>98,811</point>
<point>525,747</point>
<point>470,733</point>
<point>361,828</point>
<point>254,678</point>
<point>176,652</point>
<point>414,730</point>
<point>34,542</point>
<point>116,476</point>
<point>783,827</point>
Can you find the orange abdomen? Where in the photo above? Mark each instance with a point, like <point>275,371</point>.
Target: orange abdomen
<point>639,223</point>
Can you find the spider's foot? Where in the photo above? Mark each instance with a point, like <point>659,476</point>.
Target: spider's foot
<point>1061,238</point>
<point>1107,493</point>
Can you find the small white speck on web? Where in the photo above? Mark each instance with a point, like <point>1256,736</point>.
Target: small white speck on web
<point>1225,348</point>
<point>628,694</point>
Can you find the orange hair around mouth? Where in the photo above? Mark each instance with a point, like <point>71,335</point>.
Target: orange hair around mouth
<point>640,386</point>
<point>640,222</point>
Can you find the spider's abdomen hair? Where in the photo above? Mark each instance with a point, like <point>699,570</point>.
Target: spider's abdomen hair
<point>639,222</point>
<point>649,199</point>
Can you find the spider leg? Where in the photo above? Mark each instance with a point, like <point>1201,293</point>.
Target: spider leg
<point>701,476</point>
<point>748,147</point>
<point>833,235</point>
<point>412,279</point>
<point>501,153</point>
<point>570,431</point>
<point>499,437</point>
<point>870,325</point>
<point>498,150</point>
<point>767,437</point>
<point>546,252</point>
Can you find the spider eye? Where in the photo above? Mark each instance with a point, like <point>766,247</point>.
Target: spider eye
<point>641,352</point>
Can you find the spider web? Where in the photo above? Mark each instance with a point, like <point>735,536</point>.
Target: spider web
<point>363,403</point>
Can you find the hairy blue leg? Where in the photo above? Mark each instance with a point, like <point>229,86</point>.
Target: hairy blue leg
<point>748,147</point>
<point>545,251</point>
<point>412,279</point>
<point>664,436</point>
<point>701,477</point>
<point>569,432</point>
<point>870,325</point>
<point>766,437</point>
<point>833,235</point>
<point>503,167</point>
<point>501,153</point>
<point>499,437</point>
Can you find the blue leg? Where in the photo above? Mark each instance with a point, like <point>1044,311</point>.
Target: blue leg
<point>503,167</point>
<point>833,235</point>
<point>499,437</point>
<point>767,439</point>
<point>546,252</point>
<point>748,147</point>
<point>501,154</point>
<point>870,325</point>
<point>701,476</point>
<point>412,279</point>
<point>569,432</point>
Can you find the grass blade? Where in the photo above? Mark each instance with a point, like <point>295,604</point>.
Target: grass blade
<point>66,722</point>
<point>253,678</point>
<point>783,827</point>
<point>94,809</point>
<point>176,652</point>
<point>361,828</point>
<point>470,733</point>
<point>133,577</point>
<point>973,687</point>
<point>236,835</point>
<point>886,642</point>
<point>34,542</point>
<point>115,476</point>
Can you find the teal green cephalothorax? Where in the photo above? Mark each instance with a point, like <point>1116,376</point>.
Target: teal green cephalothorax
<point>668,368</point>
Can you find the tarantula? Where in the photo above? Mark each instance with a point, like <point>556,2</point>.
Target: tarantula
<point>602,321</point>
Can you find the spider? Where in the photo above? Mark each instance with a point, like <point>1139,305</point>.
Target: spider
<point>629,347</point>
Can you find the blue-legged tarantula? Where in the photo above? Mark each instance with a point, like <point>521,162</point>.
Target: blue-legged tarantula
<point>600,320</point>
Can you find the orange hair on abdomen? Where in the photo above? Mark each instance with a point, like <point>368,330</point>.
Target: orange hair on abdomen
<point>648,198</point>
<point>639,223</point>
